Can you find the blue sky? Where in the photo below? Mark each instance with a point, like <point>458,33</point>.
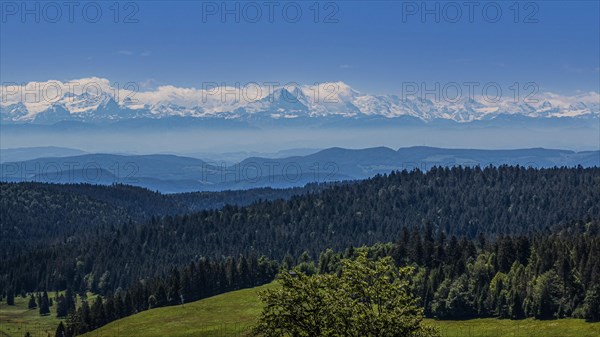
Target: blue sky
<point>374,46</point>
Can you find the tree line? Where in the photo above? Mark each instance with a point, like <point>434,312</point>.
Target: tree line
<point>514,277</point>
<point>200,279</point>
<point>464,229</point>
<point>491,201</point>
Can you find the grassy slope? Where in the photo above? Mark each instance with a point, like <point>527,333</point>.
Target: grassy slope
<point>16,320</point>
<point>230,315</point>
<point>490,327</point>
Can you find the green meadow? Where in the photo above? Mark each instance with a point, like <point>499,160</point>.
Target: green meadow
<point>232,314</point>
<point>16,320</point>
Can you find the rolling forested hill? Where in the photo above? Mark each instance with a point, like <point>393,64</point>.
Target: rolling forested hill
<point>33,212</point>
<point>478,236</point>
<point>459,201</point>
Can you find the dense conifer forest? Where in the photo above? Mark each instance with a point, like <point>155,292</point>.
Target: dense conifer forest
<point>508,242</point>
<point>45,212</point>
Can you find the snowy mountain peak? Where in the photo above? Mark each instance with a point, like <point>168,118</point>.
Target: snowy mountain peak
<point>95,100</point>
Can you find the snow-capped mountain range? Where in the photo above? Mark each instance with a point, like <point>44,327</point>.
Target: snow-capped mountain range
<point>97,100</point>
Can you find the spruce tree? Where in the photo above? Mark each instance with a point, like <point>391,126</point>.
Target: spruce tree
<point>60,330</point>
<point>32,304</point>
<point>62,309</point>
<point>44,304</point>
<point>592,304</point>
<point>10,297</point>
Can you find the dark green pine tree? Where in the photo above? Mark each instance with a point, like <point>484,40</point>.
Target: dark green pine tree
<point>97,315</point>
<point>516,306</point>
<point>60,330</point>
<point>119,307</point>
<point>62,309</point>
<point>161,296</point>
<point>44,305</point>
<point>128,307</point>
<point>288,262</point>
<point>548,291</point>
<point>10,297</point>
<point>85,318</point>
<point>592,304</point>
<point>70,301</point>
<point>174,295</point>
<point>32,304</point>
<point>243,271</point>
